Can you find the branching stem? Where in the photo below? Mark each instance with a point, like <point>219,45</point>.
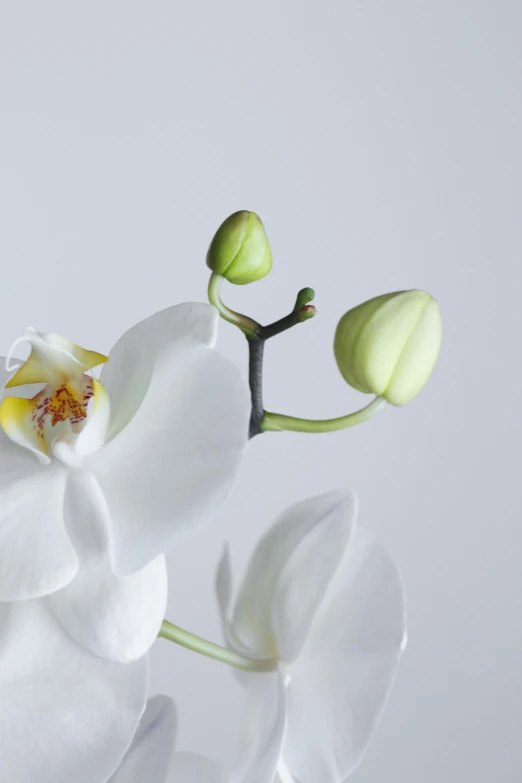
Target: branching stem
<point>257,335</point>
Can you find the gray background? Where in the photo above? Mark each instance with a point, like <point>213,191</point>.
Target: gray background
<point>380,143</point>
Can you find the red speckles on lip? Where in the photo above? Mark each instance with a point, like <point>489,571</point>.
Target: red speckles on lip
<point>40,411</point>
<point>65,403</point>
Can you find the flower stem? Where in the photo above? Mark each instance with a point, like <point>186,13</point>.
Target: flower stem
<point>246,324</point>
<point>274,422</point>
<point>257,335</point>
<point>255,381</point>
<point>224,654</point>
<point>302,311</point>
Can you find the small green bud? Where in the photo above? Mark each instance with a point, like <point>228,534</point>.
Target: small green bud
<point>240,251</point>
<point>389,345</point>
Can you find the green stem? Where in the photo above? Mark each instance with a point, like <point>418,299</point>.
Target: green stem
<point>274,422</point>
<point>246,324</point>
<point>224,654</point>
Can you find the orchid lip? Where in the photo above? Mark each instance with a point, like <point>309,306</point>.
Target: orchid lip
<point>50,422</point>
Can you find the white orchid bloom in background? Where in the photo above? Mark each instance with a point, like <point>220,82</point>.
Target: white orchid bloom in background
<point>66,716</point>
<point>152,756</point>
<point>326,601</point>
<point>126,464</point>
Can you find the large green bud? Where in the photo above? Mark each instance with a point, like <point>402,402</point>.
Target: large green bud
<point>389,345</point>
<point>240,251</point>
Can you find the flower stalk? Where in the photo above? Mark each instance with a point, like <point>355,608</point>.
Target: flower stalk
<point>276,422</point>
<point>173,633</point>
<point>243,322</point>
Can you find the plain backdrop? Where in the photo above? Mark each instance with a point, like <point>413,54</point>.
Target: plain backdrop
<point>381,144</point>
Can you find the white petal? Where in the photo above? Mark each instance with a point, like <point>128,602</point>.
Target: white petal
<point>65,715</point>
<point>224,596</point>
<point>341,681</point>
<point>261,738</point>
<point>36,554</point>
<point>284,775</point>
<point>262,730</point>
<point>289,573</point>
<point>191,768</point>
<point>150,755</point>
<point>224,583</point>
<point>115,617</point>
<point>132,360</point>
<point>174,464</point>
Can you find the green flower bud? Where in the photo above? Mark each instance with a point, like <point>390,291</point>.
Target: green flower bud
<point>389,345</point>
<point>240,251</point>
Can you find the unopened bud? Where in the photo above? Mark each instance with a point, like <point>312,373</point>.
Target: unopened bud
<point>389,345</point>
<point>240,251</point>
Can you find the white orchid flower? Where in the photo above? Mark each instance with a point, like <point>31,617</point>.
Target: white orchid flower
<point>152,756</point>
<point>66,716</point>
<point>126,464</point>
<point>326,601</point>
